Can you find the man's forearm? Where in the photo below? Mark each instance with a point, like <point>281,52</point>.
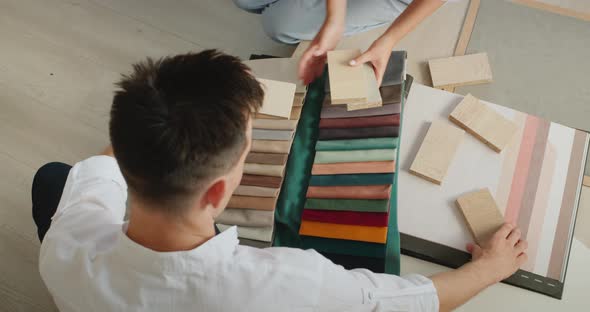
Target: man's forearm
<point>454,288</point>
<point>414,14</point>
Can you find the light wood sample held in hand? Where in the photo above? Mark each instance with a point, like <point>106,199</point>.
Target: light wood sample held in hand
<point>373,96</point>
<point>278,98</point>
<point>437,151</point>
<point>484,123</point>
<point>348,84</point>
<point>481,213</point>
<point>460,70</point>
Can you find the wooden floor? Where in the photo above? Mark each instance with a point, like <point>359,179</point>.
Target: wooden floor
<point>58,62</point>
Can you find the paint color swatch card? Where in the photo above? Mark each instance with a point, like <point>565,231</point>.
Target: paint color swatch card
<point>278,98</point>
<point>535,182</point>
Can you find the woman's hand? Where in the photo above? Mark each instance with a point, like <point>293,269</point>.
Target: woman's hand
<point>313,60</point>
<point>378,55</point>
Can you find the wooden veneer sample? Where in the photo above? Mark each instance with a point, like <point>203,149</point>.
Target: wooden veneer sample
<point>295,114</point>
<point>348,84</point>
<point>280,69</point>
<point>460,70</point>
<point>373,95</point>
<point>484,123</point>
<point>274,124</point>
<point>437,151</point>
<point>278,98</point>
<point>481,213</point>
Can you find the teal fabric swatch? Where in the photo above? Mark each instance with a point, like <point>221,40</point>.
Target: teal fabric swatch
<point>368,205</point>
<point>357,144</point>
<point>351,179</point>
<point>330,157</point>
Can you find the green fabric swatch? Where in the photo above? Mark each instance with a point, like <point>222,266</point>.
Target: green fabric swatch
<point>344,247</point>
<point>366,205</point>
<point>330,157</point>
<point>351,179</point>
<point>356,144</point>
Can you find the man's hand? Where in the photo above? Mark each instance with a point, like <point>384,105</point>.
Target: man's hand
<point>313,60</point>
<point>503,254</point>
<point>378,55</point>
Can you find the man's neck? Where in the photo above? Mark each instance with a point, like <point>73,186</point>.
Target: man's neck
<point>160,232</point>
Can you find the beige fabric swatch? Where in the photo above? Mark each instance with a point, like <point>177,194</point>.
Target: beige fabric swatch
<point>246,217</point>
<point>250,190</point>
<point>274,124</point>
<point>265,170</point>
<point>267,146</point>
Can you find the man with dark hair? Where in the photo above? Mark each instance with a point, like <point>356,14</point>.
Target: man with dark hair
<point>180,130</point>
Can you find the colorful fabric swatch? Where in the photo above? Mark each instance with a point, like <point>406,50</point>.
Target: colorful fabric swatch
<point>354,167</point>
<point>329,157</point>
<point>266,158</point>
<point>360,122</point>
<point>357,144</point>
<point>361,233</point>
<point>268,146</point>
<point>346,217</point>
<point>364,205</point>
<point>344,247</point>
<point>273,124</point>
<point>258,180</point>
<point>350,192</point>
<point>358,133</point>
<point>265,170</point>
<point>252,202</point>
<point>351,179</point>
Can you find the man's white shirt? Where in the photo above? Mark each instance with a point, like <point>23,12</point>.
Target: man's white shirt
<point>89,264</point>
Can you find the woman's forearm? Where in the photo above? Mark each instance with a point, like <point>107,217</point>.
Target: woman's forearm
<point>415,13</point>
<point>335,12</point>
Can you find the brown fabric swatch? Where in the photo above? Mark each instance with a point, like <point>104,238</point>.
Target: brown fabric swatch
<point>268,146</point>
<point>354,167</point>
<point>266,158</point>
<point>252,202</point>
<point>350,192</point>
<point>258,180</point>
<point>391,94</point>
<point>358,133</point>
<point>340,111</point>
<point>360,122</point>
<point>249,190</point>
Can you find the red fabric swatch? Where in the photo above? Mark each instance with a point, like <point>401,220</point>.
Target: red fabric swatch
<point>346,217</point>
<point>360,122</point>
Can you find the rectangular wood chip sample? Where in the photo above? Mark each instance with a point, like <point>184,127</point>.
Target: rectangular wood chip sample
<point>279,69</point>
<point>481,213</point>
<point>374,95</point>
<point>348,84</point>
<point>460,70</point>
<point>484,123</point>
<point>437,151</point>
<point>278,98</point>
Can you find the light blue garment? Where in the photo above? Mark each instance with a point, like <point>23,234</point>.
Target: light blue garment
<point>290,21</point>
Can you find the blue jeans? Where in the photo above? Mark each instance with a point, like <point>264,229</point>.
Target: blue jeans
<point>290,21</point>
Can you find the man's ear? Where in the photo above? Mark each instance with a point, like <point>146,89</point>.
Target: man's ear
<point>215,193</point>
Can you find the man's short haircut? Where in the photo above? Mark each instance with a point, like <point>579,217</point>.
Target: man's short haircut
<point>178,122</point>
